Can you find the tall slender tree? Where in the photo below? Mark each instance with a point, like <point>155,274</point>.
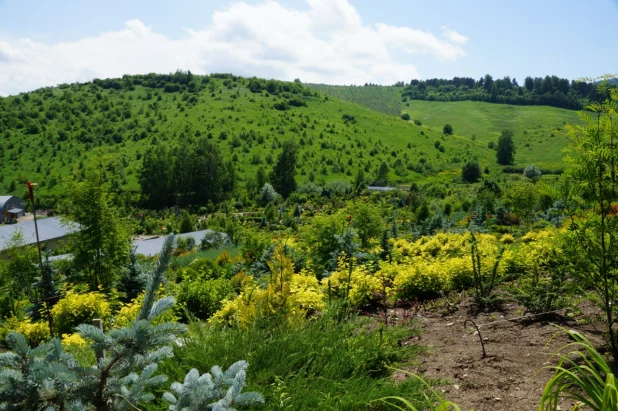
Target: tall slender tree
<point>505,152</point>
<point>101,244</point>
<point>284,171</point>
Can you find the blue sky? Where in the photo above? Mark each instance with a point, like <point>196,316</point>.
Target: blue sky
<point>46,42</point>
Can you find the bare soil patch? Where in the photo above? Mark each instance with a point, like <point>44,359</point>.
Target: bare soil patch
<point>511,377</point>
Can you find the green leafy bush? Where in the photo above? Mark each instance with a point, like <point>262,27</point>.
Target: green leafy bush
<point>75,309</point>
<point>202,298</point>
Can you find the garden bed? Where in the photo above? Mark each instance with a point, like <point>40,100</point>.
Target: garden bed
<point>511,377</point>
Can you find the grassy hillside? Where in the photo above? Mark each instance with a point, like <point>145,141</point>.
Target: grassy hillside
<point>539,130</point>
<point>48,133</point>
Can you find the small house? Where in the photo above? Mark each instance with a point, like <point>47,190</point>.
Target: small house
<point>11,208</point>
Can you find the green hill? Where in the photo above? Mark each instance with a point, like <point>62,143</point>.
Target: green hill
<point>48,133</point>
<point>539,130</point>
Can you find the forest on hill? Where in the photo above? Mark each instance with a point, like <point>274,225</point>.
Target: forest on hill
<point>52,133</point>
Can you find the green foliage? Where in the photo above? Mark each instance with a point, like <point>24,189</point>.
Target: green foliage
<point>405,116</point>
<point>187,175</point>
<point>532,173</point>
<point>186,223</point>
<point>47,377</point>
<point>305,360</point>
<point>75,309</point>
<point>583,376</point>
<point>505,152</point>
<point>368,223</point>
<point>101,247</point>
<point>18,273</point>
<point>284,171</point>
<point>471,172</point>
<point>546,284</point>
<point>593,183</point>
<point>216,390</point>
<point>447,129</point>
<point>484,280</point>
<point>203,297</point>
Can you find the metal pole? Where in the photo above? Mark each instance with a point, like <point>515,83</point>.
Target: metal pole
<point>36,227</point>
<point>38,246</point>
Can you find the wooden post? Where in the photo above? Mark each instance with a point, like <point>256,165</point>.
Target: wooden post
<point>100,354</point>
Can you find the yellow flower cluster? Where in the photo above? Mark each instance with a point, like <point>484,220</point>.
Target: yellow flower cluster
<point>79,308</point>
<point>287,294</point>
<point>73,340</point>
<point>365,287</point>
<point>128,313</point>
<point>34,332</point>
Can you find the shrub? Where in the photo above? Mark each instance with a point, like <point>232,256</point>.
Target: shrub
<point>448,129</point>
<point>75,309</point>
<point>471,172</point>
<point>287,296</point>
<point>212,239</point>
<point>418,122</point>
<point>202,298</point>
<point>268,194</point>
<point>532,173</point>
<point>405,116</point>
<point>218,390</point>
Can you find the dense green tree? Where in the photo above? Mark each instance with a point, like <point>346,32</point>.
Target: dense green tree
<point>100,247</point>
<point>186,175</point>
<point>471,172</point>
<point>382,175</point>
<point>156,177</point>
<point>368,223</point>
<point>284,171</point>
<point>17,273</point>
<point>505,153</point>
<point>593,183</point>
<point>447,129</point>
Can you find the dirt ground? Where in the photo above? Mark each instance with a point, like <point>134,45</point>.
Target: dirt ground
<point>511,377</point>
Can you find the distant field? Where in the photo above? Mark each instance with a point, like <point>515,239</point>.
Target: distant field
<point>539,130</point>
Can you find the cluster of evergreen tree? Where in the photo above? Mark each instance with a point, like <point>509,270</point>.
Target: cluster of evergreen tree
<point>185,175</point>
<point>550,91</point>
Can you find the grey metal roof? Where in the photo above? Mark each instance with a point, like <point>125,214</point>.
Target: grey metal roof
<point>378,188</point>
<point>49,229</point>
<point>152,246</point>
<point>4,199</point>
<point>14,210</point>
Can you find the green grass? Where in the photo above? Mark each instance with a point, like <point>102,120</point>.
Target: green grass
<point>322,364</point>
<point>212,254</point>
<point>540,135</point>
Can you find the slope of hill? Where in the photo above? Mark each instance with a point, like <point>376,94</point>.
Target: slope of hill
<point>49,132</point>
<point>539,131</point>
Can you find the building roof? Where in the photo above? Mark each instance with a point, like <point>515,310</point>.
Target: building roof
<point>152,246</point>
<point>377,188</point>
<point>14,210</point>
<point>49,229</point>
<point>4,199</point>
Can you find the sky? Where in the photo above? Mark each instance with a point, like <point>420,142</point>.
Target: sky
<point>48,42</point>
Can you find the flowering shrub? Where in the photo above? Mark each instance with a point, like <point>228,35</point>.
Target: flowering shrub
<point>128,313</point>
<point>75,309</point>
<point>34,332</point>
<point>364,286</point>
<point>288,295</point>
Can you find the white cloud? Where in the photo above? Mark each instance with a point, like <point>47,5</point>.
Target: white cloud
<point>328,43</point>
<point>453,36</point>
